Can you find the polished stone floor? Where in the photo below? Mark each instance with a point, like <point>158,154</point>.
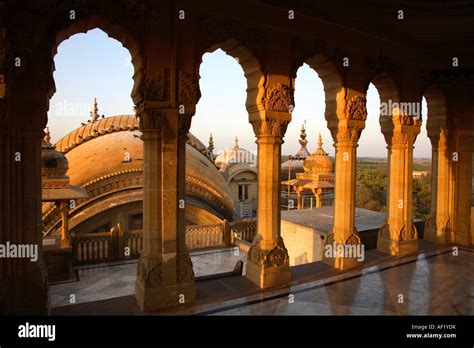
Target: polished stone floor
<point>437,285</point>
<point>100,282</point>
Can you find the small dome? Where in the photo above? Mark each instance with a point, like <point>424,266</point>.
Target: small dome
<point>54,164</point>
<point>319,161</point>
<point>234,156</point>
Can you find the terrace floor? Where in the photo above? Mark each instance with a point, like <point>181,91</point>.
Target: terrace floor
<point>435,281</point>
<point>111,280</point>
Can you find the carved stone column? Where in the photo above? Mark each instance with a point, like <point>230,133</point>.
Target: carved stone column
<point>346,136</point>
<point>298,192</point>
<point>165,278</point>
<point>23,280</point>
<point>462,186</point>
<point>399,236</point>
<point>438,225</point>
<point>64,209</point>
<point>268,261</point>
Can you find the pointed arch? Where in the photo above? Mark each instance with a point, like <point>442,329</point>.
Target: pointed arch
<point>113,30</point>
<point>251,67</point>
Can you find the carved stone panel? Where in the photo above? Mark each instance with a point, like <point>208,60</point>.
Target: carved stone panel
<point>279,97</point>
<point>189,92</point>
<point>356,109</point>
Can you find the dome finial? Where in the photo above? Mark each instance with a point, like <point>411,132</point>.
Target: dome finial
<point>303,142</point>
<point>95,111</point>
<point>236,143</point>
<point>303,151</point>
<point>211,144</point>
<point>320,151</point>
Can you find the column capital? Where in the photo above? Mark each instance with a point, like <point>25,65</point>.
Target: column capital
<point>347,132</point>
<point>270,127</point>
<point>184,124</point>
<point>400,130</point>
<point>150,119</point>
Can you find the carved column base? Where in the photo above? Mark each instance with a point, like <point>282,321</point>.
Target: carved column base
<point>344,256</point>
<point>268,268</point>
<point>463,233</point>
<point>25,293</point>
<point>396,242</point>
<point>436,232</point>
<point>153,294</point>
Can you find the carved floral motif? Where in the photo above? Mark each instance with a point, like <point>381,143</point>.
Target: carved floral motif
<point>189,91</point>
<point>153,86</point>
<point>279,97</point>
<point>270,127</point>
<point>276,257</point>
<point>348,134</point>
<point>185,268</point>
<point>356,108</point>
<point>149,272</point>
<point>353,238</point>
<point>150,120</point>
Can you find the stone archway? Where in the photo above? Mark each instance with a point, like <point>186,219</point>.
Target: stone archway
<point>251,67</point>
<point>114,31</point>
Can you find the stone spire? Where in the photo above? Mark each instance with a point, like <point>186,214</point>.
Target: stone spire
<point>95,111</point>
<point>320,150</point>
<point>303,151</point>
<point>211,144</point>
<point>303,142</point>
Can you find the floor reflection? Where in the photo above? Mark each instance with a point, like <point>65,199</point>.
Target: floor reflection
<point>439,285</point>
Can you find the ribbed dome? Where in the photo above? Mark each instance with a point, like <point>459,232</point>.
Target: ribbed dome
<point>319,161</point>
<point>95,157</point>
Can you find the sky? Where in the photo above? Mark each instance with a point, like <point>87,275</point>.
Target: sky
<point>94,65</point>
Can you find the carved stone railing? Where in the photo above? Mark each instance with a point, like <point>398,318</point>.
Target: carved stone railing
<point>134,241</point>
<point>205,236</point>
<point>93,248</point>
<point>243,233</point>
<point>110,246</point>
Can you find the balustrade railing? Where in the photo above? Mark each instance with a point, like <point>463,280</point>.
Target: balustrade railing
<point>134,242</point>
<point>244,230</point>
<point>93,247</point>
<point>205,236</point>
<point>120,245</point>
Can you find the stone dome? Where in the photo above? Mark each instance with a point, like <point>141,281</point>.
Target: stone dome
<point>105,158</point>
<point>319,162</point>
<point>233,156</point>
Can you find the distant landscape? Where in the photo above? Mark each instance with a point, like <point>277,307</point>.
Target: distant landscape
<point>372,183</point>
